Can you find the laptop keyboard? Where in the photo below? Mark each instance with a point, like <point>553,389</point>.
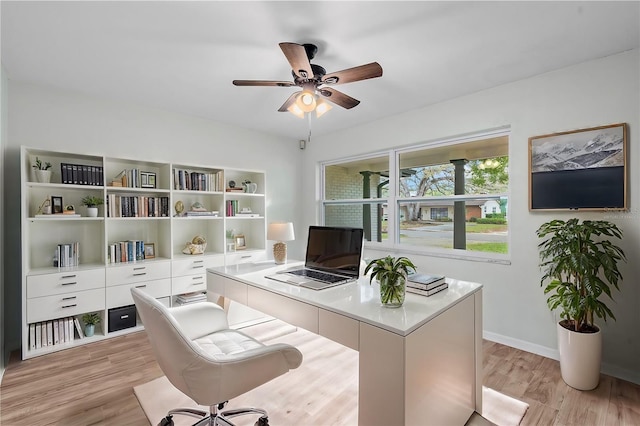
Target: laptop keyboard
<point>320,276</point>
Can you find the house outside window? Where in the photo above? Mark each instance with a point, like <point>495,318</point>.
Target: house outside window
<point>431,197</point>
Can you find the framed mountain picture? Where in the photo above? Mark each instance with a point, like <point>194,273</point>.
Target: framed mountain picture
<point>580,169</point>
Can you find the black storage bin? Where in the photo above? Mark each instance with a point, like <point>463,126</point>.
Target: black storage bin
<point>122,317</point>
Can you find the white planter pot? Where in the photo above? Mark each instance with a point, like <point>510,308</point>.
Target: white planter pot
<point>580,356</point>
<point>43,176</point>
<point>92,211</point>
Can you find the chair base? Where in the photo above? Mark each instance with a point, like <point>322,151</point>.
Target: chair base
<point>215,417</point>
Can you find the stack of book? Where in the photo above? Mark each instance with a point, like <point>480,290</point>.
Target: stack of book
<point>426,284</point>
<point>188,298</point>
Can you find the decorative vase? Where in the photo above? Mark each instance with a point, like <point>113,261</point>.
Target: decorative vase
<point>392,291</point>
<point>580,356</point>
<point>92,211</point>
<point>89,329</point>
<point>43,176</point>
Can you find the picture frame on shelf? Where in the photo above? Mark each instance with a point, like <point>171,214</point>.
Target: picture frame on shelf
<point>582,169</point>
<point>147,180</point>
<point>149,250</point>
<point>56,205</point>
<point>240,242</point>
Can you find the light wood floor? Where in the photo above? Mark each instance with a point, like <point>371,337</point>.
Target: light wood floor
<point>93,385</point>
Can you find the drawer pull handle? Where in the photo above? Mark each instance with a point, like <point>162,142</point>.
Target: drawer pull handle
<point>124,316</point>
<point>245,257</point>
<point>198,283</point>
<point>70,306</point>
<point>139,268</point>
<point>68,276</point>
<point>141,286</point>
<point>69,298</point>
<point>197,266</point>
<point>197,278</point>
<point>198,261</point>
<point>71,283</point>
<point>139,274</point>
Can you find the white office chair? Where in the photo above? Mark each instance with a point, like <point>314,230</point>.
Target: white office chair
<point>207,361</point>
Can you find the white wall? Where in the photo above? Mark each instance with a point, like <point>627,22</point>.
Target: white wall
<point>600,92</point>
<point>57,120</point>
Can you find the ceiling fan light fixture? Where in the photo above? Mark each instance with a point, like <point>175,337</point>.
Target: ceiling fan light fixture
<point>306,101</point>
<point>322,107</point>
<point>295,110</point>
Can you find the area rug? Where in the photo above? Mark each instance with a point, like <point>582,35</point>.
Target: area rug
<point>325,399</point>
<point>502,409</point>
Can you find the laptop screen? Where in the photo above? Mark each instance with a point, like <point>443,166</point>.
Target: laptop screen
<point>335,249</point>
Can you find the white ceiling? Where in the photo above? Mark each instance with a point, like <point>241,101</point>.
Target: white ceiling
<point>182,56</point>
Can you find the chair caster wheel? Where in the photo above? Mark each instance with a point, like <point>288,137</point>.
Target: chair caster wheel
<point>167,421</point>
<point>262,421</point>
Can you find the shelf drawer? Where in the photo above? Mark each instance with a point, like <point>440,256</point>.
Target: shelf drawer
<point>64,305</point>
<point>196,265</point>
<point>189,283</point>
<point>137,272</point>
<point>245,257</point>
<point>120,295</point>
<point>64,282</point>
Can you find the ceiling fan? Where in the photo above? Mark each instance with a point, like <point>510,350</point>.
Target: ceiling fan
<point>314,81</point>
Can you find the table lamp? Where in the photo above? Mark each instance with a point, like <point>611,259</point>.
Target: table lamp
<point>280,232</point>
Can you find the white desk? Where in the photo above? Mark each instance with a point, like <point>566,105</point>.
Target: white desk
<point>419,364</point>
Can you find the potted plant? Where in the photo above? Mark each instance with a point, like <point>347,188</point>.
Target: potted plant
<point>92,204</point>
<point>43,174</point>
<point>90,320</point>
<point>391,273</point>
<point>581,263</point>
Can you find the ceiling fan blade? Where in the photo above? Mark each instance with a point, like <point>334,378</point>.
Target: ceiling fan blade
<point>288,102</point>
<point>297,56</point>
<point>349,75</point>
<point>262,83</point>
<point>338,98</point>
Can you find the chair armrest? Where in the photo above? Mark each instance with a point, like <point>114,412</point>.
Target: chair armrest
<point>200,319</point>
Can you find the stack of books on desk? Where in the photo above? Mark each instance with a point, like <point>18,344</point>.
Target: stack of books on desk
<point>188,298</point>
<point>426,284</point>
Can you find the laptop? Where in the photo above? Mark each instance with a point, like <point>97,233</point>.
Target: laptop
<point>332,258</point>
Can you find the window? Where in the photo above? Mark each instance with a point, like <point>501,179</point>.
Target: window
<point>428,197</point>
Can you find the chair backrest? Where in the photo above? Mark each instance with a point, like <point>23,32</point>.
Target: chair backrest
<point>174,351</point>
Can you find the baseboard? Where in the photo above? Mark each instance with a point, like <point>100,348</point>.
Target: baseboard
<point>608,369</point>
<point>522,345</point>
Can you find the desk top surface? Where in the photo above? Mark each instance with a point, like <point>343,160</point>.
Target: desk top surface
<point>358,300</point>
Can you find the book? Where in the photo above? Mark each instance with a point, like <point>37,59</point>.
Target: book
<point>199,213</point>
<point>56,332</point>
<point>38,335</point>
<point>49,333</point>
<point>247,214</point>
<point>78,328</point>
<point>32,336</point>
<point>424,281</point>
<point>430,292</point>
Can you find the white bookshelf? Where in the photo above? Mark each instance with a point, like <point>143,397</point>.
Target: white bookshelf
<point>96,284</point>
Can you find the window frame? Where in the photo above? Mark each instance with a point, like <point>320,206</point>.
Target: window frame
<point>393,201</point>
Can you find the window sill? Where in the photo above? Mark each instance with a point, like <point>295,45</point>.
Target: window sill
<point>498,259</point>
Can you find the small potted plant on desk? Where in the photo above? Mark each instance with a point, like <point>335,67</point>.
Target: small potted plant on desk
<point>43,174</point>
<point>391,273</point>
<point>92,204</point>
<point>90,320</point>
<point>582,264</point>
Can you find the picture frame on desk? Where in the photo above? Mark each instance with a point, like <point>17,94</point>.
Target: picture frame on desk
<point>56,205</point>
<point>149,250</point>
<point>147,180</point>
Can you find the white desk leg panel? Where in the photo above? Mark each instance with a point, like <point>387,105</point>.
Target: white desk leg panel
<point>441,368</point>
<point>427,376</point>
<point>381,377</point>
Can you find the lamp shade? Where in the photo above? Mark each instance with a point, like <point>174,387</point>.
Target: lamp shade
<point>280,231</point>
